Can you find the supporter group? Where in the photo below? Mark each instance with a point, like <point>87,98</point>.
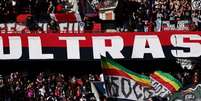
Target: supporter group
<point>44,86</point>
<point>127,15</point>
<point>50,86</point>
<point>94,16</point>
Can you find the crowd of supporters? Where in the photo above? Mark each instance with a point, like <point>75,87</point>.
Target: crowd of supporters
<point>44,86</point>
<point>42,9</point>
<point>49,86</point>
<point>154,11</point>
<point>130,15</point>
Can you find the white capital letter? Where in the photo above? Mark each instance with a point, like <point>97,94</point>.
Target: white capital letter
<point>15,46</point>
<point>73,47</point>
<point>35,49</point>
<point>194,48</point>
<point>114,50</point>
<point>139,48</point>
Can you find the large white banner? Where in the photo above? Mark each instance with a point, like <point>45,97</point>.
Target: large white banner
<point>121,88</point>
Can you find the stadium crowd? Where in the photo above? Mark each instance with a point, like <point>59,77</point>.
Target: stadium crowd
<point>130,15</point>
<point>44,86</point>
<point>154,11</point>
<point>22,86</point>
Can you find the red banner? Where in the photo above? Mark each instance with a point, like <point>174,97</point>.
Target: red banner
<point>89,46</point>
